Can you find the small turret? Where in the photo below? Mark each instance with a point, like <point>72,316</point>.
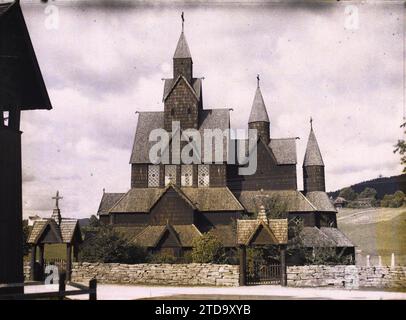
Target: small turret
<point>259,116</point>
<point>313,165</point>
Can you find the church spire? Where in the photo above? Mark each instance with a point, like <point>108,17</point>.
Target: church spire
<point>182,49</point>
<point>313,155</point>
<point>258,110</point>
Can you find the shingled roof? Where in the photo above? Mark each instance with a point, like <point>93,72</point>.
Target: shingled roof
<point>148,121</point>
<point>138,200</point>
<point>247,228</point>
<point>213,199</point>
<point>141,200</point>
<point>313,155</point>
<point>64,232</point>
<point>108,201</point>
<point>151,235</point>
<point>321,201</point>
<point>324,237</point>
<point>284,150</point>
<point>258,109</point>
<point>21,82</point>
<point>169,84</point>
<point>294,200</point>
<point>182,49</point>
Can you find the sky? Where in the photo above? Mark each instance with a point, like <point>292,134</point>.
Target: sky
<point>102,61</point>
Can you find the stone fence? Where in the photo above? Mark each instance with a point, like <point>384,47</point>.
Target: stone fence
<point>350,277</point>
<point>157,274</point>
<point>340,276</point>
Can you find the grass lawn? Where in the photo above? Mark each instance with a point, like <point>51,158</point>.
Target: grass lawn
<point>377,232</point>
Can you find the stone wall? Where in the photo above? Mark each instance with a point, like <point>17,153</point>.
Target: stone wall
<point>157,274</point>
<point>350,277</point>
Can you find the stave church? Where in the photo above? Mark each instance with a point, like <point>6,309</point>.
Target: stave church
<point>169,205</point>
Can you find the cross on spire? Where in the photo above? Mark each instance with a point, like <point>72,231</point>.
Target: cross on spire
<point>258,80</point>
<point>57,198</point>
<point>183,20</point>
<point>311,123</point>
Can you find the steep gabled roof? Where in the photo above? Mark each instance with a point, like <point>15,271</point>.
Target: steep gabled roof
<point>182,49</point>
<point>278,229</point>
<point>284,150</point>
<point>174,83</point>
<point>148,121</point>
<point>321,201</point>
<point>108,201</point>
<point>63,233</point>
<point>313,155</point>
<point>196,85</point>
<point>258,110</point>
<point>21,82</point>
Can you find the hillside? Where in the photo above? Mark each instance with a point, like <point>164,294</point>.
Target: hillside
<point>388,185</point>
<point>376,231</point>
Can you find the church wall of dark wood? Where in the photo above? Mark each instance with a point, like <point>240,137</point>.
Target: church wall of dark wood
<point>171,208</point>
<point>182,106</point>
<point>130,218</point>
<point>268,176</point>
<point>308,218</point>
<point>326,219</point>
<point>218,175</point>
<point>207,220</point>
<point>313,178</point>
<point>139,176</point>
<point>184,67</point>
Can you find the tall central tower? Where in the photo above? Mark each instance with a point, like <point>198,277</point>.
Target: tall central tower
<point>182,93</point>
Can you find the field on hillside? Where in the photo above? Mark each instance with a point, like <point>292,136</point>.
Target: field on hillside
<point>376,231</point>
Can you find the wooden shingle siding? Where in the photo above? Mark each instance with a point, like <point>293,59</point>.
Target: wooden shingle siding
<point>131,218</point>
<point>268,176</point>
<point>181,105</point>
<point>218,176</point>
<point>313,178</point>
<point>171,208</point>
<point>139,176</point>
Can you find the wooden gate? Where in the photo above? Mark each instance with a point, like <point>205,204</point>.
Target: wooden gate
<point>260,273</point>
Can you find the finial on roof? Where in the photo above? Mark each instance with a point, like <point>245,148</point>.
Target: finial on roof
<point>104,190</point>
<point>311,123</point>
<point>262,213</point>
<point>257,80</point>
<point>183,20</point>
<point>57,198</point>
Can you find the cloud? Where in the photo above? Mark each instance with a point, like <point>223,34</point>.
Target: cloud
<point>102,64</point>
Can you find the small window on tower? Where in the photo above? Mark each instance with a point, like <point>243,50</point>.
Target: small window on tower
<point>170,174</point>
<point>153,176</point>
<point>203,176</point>
<point>188,110</point>
<point>186,175</point>
<point>5,115</point>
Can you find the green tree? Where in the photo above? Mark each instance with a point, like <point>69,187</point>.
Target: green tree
<point>368,193</point>
<point>400,147</point>
<point>348,194</point>
<point>94,222</point>
<point>395,200</point>
<point>107,245</point>
<point>207,249</point>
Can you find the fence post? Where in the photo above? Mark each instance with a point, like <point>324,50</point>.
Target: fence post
<point>368,262</point>
<point>62,285</point>
<point>93,289</point>
<point>392,260</point>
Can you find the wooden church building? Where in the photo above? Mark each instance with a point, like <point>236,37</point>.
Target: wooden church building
<point>168,205</point>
